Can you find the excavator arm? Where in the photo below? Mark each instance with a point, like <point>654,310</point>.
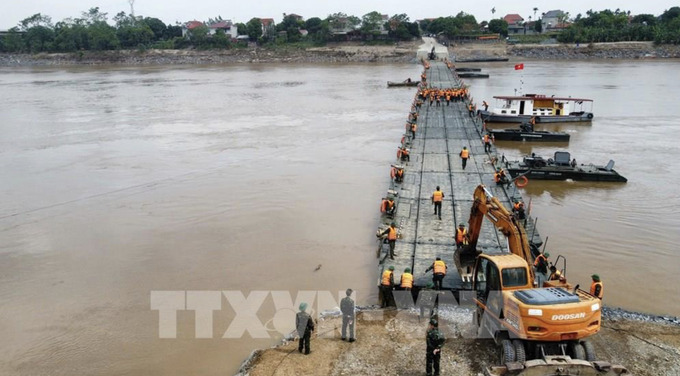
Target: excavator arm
<point>486,205</point>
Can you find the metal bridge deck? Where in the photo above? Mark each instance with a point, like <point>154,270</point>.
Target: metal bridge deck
<point>442,133</point>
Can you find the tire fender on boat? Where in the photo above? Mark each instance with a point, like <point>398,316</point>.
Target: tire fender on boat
<point>521,181</point>
<point>590,116</point>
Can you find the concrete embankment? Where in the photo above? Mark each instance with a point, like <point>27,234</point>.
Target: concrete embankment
<point>391,342</point>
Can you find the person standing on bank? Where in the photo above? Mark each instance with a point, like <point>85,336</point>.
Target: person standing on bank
<point>437,198</point>
<point>596,287</point>
<point>435,340</point>
<point>464,155</point>
<point>305,327</point>
<point>348,316</point>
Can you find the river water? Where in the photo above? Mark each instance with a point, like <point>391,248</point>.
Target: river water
<point>118,182</point>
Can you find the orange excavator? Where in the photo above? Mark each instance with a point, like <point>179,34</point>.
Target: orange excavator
<point>541,330</point>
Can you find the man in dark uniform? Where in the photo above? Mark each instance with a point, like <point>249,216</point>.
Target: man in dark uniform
<point>305,327</point>
<point>347,308</point>
<point>435,340</point>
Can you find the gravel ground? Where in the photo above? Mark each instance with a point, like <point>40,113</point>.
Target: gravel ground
<point>392,342</point>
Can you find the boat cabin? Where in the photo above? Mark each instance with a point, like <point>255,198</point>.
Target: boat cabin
<point>540,105</point>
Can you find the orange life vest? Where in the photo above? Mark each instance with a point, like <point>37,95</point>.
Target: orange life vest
<point>392,235</point>
<point>387,274</point>
<point>437,196</point>
<point>518,206</point>
<point>592,289</point>
<point>465,153</point>
<point>414,127</point>
<point>487,139</point>
<point>538,259</point>
<point>460,235</point>
<point>407,280</point>
<point>439,267</point>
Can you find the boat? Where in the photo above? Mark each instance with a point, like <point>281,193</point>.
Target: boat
<point>482,60</point>
<point>472,75</point>
<point>561,167</point>
<point>526,132</point>
<point>519,109</point>
<point>465,69</point>
<point>402,84</point>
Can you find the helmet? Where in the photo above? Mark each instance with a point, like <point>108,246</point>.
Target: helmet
<point>557,273</point>
<point>546,254</point>
<point>595,277</point>
<point>439,258</point>
<point>303,306</point>
<point>349,292</point>
<point>407,270</point>
<point>461,225</point>
<point>429,285</point>
<point>391,268</point>
<point>393,224</point>
<point>434,323</point>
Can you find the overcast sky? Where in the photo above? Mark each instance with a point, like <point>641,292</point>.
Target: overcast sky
<point>171,11</point>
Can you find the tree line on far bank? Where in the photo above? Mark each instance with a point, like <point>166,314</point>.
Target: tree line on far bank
<point>621,26</point>
<point>92,31</point>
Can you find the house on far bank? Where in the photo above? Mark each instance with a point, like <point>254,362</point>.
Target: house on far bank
<point>187,27</point>
<point>515,23</point>
<point>297,17</point>
<point>268,27</point>
<point>385,19</point>
<point>227,26</point>
<point>553,21</point>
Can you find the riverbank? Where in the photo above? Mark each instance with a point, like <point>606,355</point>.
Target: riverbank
<point>392,342</point>
<point>615,50</point>
<point>335,53</point>
<point>343,53</point>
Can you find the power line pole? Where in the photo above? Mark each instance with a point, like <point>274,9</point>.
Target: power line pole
<point>132,8</point>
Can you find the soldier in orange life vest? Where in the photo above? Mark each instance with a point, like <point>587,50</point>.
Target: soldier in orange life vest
<point>391,233</point>
<point>438,268</point>
<point>387,206</point>
<point>397,173</point>
<point>596,288</point>
<point>461,235</point>
<point>437,198</point>
<point>386,286</point>
<point>414,128</point>
<point>403,154</point>
<point>499,177</point>
<point>471,110</point>
<point>532,121</point>
<point>518,209</point>
<point>555,274</point>
<point>464,155</point>
<point>487,142</point>
<point>541,268</point>
<point>406,280</point>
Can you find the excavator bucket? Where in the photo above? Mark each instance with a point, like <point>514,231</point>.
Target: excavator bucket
<point>557,366</point>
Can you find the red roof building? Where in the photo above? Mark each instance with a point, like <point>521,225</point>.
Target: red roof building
<point>513,19</point>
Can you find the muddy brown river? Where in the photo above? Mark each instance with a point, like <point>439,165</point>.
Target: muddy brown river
<point>119,182</point>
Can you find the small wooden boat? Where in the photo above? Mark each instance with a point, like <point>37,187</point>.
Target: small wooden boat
<point>561,168</point>
<point>407,83</point>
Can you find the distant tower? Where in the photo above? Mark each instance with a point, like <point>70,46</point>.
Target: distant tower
<point>132,8</point>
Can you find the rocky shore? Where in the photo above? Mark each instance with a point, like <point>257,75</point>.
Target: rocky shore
<point>618,50</point>
<point>392,342</point>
